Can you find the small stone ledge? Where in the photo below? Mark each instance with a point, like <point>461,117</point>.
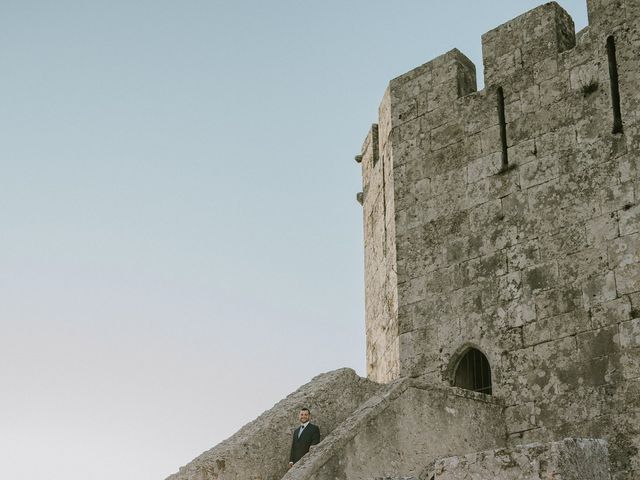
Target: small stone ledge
<point>424,384</point>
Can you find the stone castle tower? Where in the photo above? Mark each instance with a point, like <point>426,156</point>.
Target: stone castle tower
<point>502,266</point>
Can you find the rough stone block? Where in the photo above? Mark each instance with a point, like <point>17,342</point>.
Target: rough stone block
<point>448,182</point>
<point>629,333</point>
<point>445,135</point>
<point>510,286</point>
<point>478,112</point>
<point>624,251</point>
<point>584,78</point>
<point>628,165</point>
<point>557,327</point>
<point>599,289</point>
<point>583,265</point>
<point>520,417</point>
<point>515,313</point>
<point>547,69</point>
<point>413,358</point>
<point>630,220</point>
<point>563,242</point>
<point>552,90</point>
<point>610,313</point>
<point>553,302</point>
<point>523,255</point>
<point>530,99</point>
<point>597,343</point>
<point>539,171</point>
<point>486,213</point>
<point>484,167</point>
<point>616,197</point>
<point>628,278</point>
<point>541,277</point>
<point>601,229</point>
<point>485,267</point>
<point>630,364</point>
<point>569,459</point>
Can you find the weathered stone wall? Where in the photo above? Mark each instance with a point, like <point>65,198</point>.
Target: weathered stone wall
<point>402,431</point>
<point>569,459</point>
<point>536,264</point>
<point>381,286</point>
<point>260,449</point>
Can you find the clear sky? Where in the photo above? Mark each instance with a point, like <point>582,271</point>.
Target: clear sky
<point>181,246</point>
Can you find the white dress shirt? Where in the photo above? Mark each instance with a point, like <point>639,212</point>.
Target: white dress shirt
<point>302,427</point>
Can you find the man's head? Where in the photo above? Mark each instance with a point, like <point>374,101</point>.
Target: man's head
<point>304,416</point>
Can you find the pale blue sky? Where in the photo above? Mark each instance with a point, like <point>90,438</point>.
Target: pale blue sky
<point>177,195</point>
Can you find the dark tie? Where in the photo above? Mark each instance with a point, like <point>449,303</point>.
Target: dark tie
<point>300,432</point>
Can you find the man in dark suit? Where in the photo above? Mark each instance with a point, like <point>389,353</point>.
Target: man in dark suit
<point>304,436</point>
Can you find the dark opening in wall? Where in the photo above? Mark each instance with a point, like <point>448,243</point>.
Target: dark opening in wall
<point>473,372</point>
<point>615,87</point>
<point>503,128</point>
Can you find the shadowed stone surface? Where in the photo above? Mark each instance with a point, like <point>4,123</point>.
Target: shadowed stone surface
<point>569,459</point>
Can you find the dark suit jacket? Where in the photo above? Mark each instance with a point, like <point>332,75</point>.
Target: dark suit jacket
<point>300,446</point>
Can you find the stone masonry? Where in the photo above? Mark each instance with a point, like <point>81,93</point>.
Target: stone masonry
<point>505,222</point>
<point>534,262</point>
<point>569,459</point>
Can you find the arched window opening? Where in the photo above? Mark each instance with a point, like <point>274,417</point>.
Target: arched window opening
<point>473,372</point>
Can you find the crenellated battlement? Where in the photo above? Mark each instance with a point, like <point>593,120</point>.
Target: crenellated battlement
<point>431,87</point>
<point>512,52</point>
<point>497,219</point>
<point>522,55</point>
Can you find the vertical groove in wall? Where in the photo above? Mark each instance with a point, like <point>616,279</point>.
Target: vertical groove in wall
<point>615,88</point>
<point>375,145</point>
<point>503,127</point>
